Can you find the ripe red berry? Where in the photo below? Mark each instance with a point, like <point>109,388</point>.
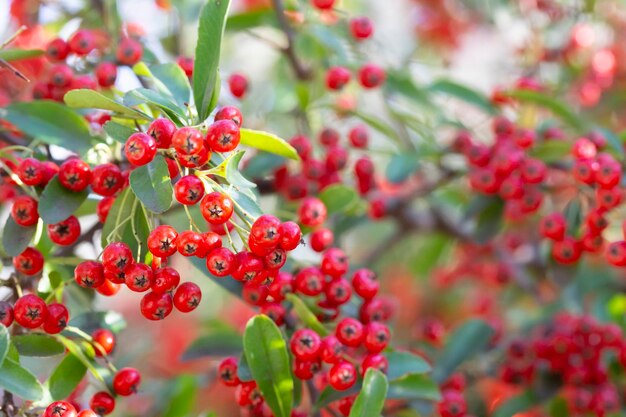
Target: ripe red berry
<point>334,262</point>
<point>24,211</point>
<point>227,372</point>
<point>57,50</point>
<point>342,376</point>
<point>331,350</point>
<point>162,241</point>
<point>365,283</point>
<point>156,306</point>
<point>60,409</point>
<point>221,262</point>
<point>323,4</point>
<point>266,231</point>
<point>186,64</point>
<point>254,293</point>
<point>126,381</point>
<point>56,319</point>
<point>274,311</point>
<point>321,239</point>
<point>337,78</point>
<point>350,332</point>
<point>187,141</point>
<point>312,212</point>
<point>117,256</point>
<point>139,277</point>
<point>103,208</point>
<point>376,361</point>
<point>376,337</point>
<point>290,235</point>
<point>106,74</point>
<point>305,370</point>
<point>129,52</point>
<point>189,190</point>
<point>187,297</point>
<point>217,208</point>
<point>103,341</point>
<point>74,174</point>
<point>275,259</point>
<point>238,85</point>
<point>108,288</point>
<point>371,76</point>
<point>29,262</point>
<point>82,42</point>
<point>190,243</point>
<point>305,344</point>
<point>106,179</point>
<point>6,313</point>
<point>338,292</point>
<point>281,286</point>
<point>166,280</point>
<point>102,403</point>
<point>567,251</point>
<point>31,171</point>
<point>361,27</point>
<point>162,130</point>
<point>140,149</point>
<point>64,233</point>
<point>309,281</point>
<point>359,137</point>
<point>230,113</point>
<point>30,311</point>
<point>87,413</point>
<point>89,274</point>
<point>61,75</point>
<point>616,253</point>
<point>223,136</point>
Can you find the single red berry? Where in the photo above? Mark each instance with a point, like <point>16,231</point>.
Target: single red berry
<point>103,341</point>
<point>56,319</point>
<point>140,149</point>
<point>74,174</point>
<point>312,212</point>
<point>82,42</point>
<point>338,292</point>
<point>106,179</point>
<point>31,171</point>
<point>6,313</point>
<point>332,349</point>
<point>309,281</point>
<point>334,262</point>
<point>323,4</point>
<point>344,405</point>
<point>139,277</point>
<point>305,370</point>
<point>217,208</point>
<point>302,145</point>
<point>371,76</point>
<point>126,381</point>
<point>221,262</point>
<point>249,267</point>
<point>64,233</point>
<point>129,52</point>
<point>359,137</point>
<point>117,277</point>
<point>212,241</point>
<point>230,113</point>
<point>89,274</point>
<point>87,413</point>
<point>337,78</point>
<point>24,211</point>
<point>227,371</point>
<point>616,253</point>
<point>30,311</point>
<point>223,136</point>
<point>57,50</point>
<point>305,344</point>
<point>106,74</point>
<point>102,403</point>
<point>254,293</point>
<point>166,280</point>
<point>452,404</point>
<point>376,361</point>
<point>238,85</point>
<point>342,376</point>
<point>274,311</point>
<point>533,171</point>
<point>187,297</point>
<point>162,241</point>
<point>248,395</point>
<point>361,27</point>
<point>195,160</point>
<point>108,288</point>
<point>60,409</point>
<point>329,137</point>
<point>377,337</point>
<point>275,259</point>
<point>189,190</point>
<point>162,130</point>
<point>117,256</point>
<point>336,158</point>
<point>281,286</point>
<point>266,231</point>
<point>156,306</point>
<point>186,64</point>
<point>365,284</point>
<point>567,251</point>
<point>61,75</point>
<point>350,332</point>
<point>190,243</point>
<point>187,141</point>
<point>29,262</point>
<point>103,208</point>
<point>321,239</point>
<point>290,235</point>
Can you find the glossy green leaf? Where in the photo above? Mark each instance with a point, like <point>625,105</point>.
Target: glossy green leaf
<point>306,315</point>
<point>464,343</point>
<point>51,123</point>
<point>5,342</point>
<point>19,54</point>
<point>268,358</point>
<point>175,80</point>
<point>66,377</point>
<point>91,99</point>
<point>160,100</point>
<point>126,222</point>
<point>37,345</point>
<point>20,381</point>
<point>330,395</point>
<point>405,363</point>
<point>251,19</point>
<point>489,212</point>
<point>243,370</point>
<point>558,408</point>
<point>401,167</point>
<point>431,251</point>
<point>246,202</point>
<point>57,203</point>
<point>94,320</point>
<point>338,198</point>
<point>269,143</point>
<point>414,387</point>
<point>551,150</point>
<point>220,342</point>
<point>463,93</point>
<point>152,185</point>
<point>15,238</point>
<point>371,400</point>
<point>556,106</point>
<point>516,404</point>
<point>118,132</point>
<point>205,71</point>
<point>229,169</point>
<point>183,397</point>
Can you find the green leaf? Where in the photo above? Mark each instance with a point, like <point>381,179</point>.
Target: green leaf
<point>551,150</point>
<point>268,142</point>
<point>208,49</point>
<point>183,397</point>
<point>613,140</point>
<point>371,400</point>
<point>306,315</point>
<point>466,341</point>
<point>118,132</point>
<point>401,167</point>
<point>57,203</point>
<point>155,98</point>
<point>91,99</point>
<point>94,320</point>
<point>329,395</point>
<point>175,81</point>
<point>556,106</point>
<point>5,342</point>
<point>378,124</point>
<point>252,19</point>
<point>152,185</point>
<point>66,377</point>
<point>19,54</point>
<point>414,387</point>
<point>338,198</point>
<point>262,164</point>
<point>52,123</point>
<point>573,216</point>
<point>229,169</point>
<point>220,342</point>
<point>268,358</point>
<point>15,238</point>
<point>405,363</point>
<point>37,345</point>
<point>125,211</point>
<point>243,370</point>
<point>516,405</point>
<point>248,204</point>
<point>489,210</point>
<point>84,352</point>
<point>558,408</point>
<point>464,93</point>
<point>20,381</point>
<point>432,251</point>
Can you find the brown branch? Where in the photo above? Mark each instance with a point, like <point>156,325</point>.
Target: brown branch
<point>303,73</point>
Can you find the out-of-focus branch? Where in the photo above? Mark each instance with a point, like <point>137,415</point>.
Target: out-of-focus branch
<point>302,72</point>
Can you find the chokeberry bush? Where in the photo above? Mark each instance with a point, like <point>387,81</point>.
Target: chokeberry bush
<point>316,208</point>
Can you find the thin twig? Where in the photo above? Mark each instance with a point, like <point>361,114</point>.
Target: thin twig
<point>302,72</point>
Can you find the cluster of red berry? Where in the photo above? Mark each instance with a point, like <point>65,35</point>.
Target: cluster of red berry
<point>369,76</point>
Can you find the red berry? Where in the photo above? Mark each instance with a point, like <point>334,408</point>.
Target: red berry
<point>31,171</point>
<point>6,313</point>
<point>166,280</point>
<point>139,277</point>
<point>74,174</point>
<point>248,394</point>
<point>350,332</point>
<point>361,27</point>
<point>189,190</point>
<point>61,75</point>
<point>302,145</point>
<point>82,42</point>
<point>104,341</point>
<point>254,294</point>
<point>162,241</point>
<point>162,130</point>
<point>106,74</point>
<point>312,212</point>
<point>323,4</point>
<point>156,306</point>
<point>223,136</point>
<point>365,283</point>
<point>332,349</point>
<point>126,381</point>
<point>616,253</point>
<point>30,311</point>
<point>329,137</point>
<point>334,262</point>
<point>129,52</point>
<point>195,160</point>
<point>359,136</point>
<point>249,267</point>
<point>29,262</point>
<point>309,281</point>
<point>221,262</point>
<point>376,337</point>
<point>217,208</point>
<point>337,78</point>
<point>186,64</point>
<point>338,292</point>
<point>56,319</point>
<point>89,274</point>
<point>321,239</point>
<point>24,211</point>
<point>266,231</point>
<point>103,208</point>
<point>57,50</point>
<point>190,243</point>
<point>281,286</point>
<point>305,370</point>
<point>227,372</point>
<point>187,297</point>
<point>106,179</point>
<point>108,288</point>
<point>60,409</point>
<point>64,233</point>
<point>275,259</point>
<point>140,149</point>
<point>102,403</point>
<point>238,85</point>
<point>187,141</point>
<point>87,413</point>
<point>290,235</point>
<point>230,113</point>
<point>117,256</point>
<point>342,376</point>
<point>567,251</point>
<point>376,361</point>
<point>305,344</point>
<point>371,76</point>
<point>274,311</point>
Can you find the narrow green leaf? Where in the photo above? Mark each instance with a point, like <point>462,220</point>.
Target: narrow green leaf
<point>221,342</point>
<point>83,352</point>
<point>5,342</point>
<point>248,204</point>
<point>401,167</point>
<point>66,377</point>
<point>252,19</point>
<point>463,93</point>
<point>19,54</point>
<point>330,395</point>
<point>183,397</point>
<point>91,99</point>
<point>20,381</point>
<point>268,358</point>
<point>118,132</point>
<point>94,320</point>
<point>371,400</point>
<point>229,169</point>
<point>489,212</point>
<point>57,203</point>
<point>52,123</point>
<point>405,363</point>
<point>414,387</point>
<point>160,100</point>
<point>37,345</point>
<point>431,251</point>
<point>556,106</point>
<point>269,143</point>
<point>306,315</point>
<point>15,238</point>
<point>175,80</point>
<point>205,71</point>
<point>152,185</point>
<point>378,124</point>
<point>516,405</point>
<point>338,198</point>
